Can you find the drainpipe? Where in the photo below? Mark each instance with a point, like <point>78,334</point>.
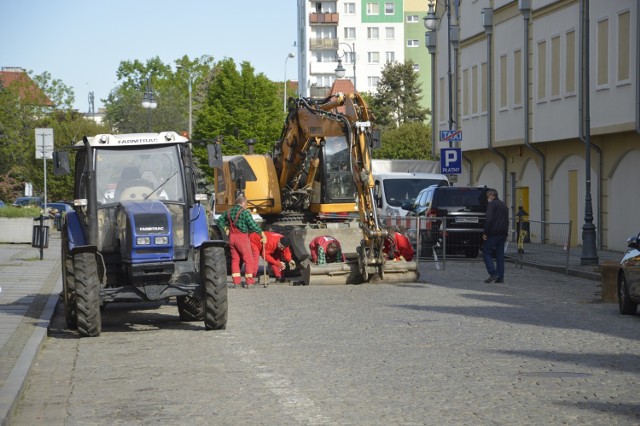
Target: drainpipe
<point>487,23</point>
<point>525,9</point>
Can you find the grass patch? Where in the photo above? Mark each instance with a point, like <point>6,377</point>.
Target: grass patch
<point>10,211</point>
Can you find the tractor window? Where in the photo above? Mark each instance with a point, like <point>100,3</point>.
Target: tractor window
<point>138,173</point>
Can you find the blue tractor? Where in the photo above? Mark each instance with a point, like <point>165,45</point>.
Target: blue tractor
<point>138,231</point>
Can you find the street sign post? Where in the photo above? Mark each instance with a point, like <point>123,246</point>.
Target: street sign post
<point>44,150</point>
<point>451,161</point>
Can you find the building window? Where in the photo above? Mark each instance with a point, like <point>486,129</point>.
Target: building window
<point>623,51</point>
<point>412,43</point>
<point>603,53</point>
<point>555,67</point>
<point>517,78</point>
<point>390,57</point>
<point>373,33</point>
<point>413,19</point>
<point>349,57</point>
<point>483,88</point>
<point>570,70</point>
<point>390,33</point>
<point>373,82</point>
<point>350,33</point>
<point>542,70</point>
<point>416,67</point>
<point>465,92</point>
<point>504,79</point>
<point>389,9</point>
<point>373,57</point>
<point>474,90</point>
<point>373,8</point>
<point>349,8</point>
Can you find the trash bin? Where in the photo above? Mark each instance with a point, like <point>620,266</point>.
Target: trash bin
<point>40,236</point>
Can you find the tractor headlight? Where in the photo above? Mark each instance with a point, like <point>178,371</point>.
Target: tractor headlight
<point>161,241</point>
<point>143,241</point>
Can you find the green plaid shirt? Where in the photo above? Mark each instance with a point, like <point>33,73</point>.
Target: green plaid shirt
<point>322,256</point>
<point>245,222</point>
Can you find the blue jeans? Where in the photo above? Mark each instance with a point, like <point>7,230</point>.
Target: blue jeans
<point>494,244</point>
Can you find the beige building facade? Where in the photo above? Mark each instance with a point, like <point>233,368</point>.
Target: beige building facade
<point>517,96</point>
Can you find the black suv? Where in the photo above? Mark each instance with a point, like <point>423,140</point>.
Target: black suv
<point>461,210</point>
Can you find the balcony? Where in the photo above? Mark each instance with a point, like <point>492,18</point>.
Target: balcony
<point>323,43</point>
<point>323,67</point>
<point>323,18</point>
<point>318,91</point>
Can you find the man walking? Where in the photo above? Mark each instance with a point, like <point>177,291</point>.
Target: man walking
<point>496,229</point>
<point>238,222</point>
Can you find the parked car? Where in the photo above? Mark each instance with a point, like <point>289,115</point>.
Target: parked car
<point>461,210</point>
<point>629,278</point>
<point>27,201</point>
<point>2,204</point>
<point>58,212</point>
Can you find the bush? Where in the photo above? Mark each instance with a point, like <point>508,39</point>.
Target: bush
<point>10,211</point>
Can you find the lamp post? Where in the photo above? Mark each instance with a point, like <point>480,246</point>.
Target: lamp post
<point>589,249</point>
<point>340,70</point>
<point>190,85</point>
<point>431,41</point>
<point>431,24</point>
<point>284,96</point>
<point>148,102</point>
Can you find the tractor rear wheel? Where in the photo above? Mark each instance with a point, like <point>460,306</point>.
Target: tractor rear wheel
<point>87,292</point>
<point>214,279</point>
<point>68,282</point>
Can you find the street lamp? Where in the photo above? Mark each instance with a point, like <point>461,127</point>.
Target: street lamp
<point>284,97</point>
<point>190,84</point>
<point>431,24</point>
<point>148,102</point>
<point>340,70</point>
<point>431,41</point>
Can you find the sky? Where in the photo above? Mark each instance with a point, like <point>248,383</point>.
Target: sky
<point>82,42</point>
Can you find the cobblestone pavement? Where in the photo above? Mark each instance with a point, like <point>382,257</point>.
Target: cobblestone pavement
<point>538,349</point>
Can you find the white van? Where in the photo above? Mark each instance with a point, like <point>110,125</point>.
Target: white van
<point>398,182</point>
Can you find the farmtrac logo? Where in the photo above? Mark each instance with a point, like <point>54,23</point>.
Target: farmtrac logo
<point>141,140</point>
<point>151,228</point>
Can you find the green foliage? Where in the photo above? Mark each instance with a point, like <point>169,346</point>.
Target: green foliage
<point>397,100</point>
<point>10,211</point>
<point>409,141</point>
<point>59,93</point>
<point>124,111</point>
<point>240,105</point>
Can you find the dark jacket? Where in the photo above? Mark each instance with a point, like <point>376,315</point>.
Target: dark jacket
<point>497,219</point>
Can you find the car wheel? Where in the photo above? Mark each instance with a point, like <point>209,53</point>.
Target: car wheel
<point>627,306</point>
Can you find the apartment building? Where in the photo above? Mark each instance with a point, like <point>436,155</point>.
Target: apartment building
<point>528,108</point>
<point>362,36</point>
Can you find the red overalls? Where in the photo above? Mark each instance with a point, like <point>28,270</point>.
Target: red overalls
<point>401,247</point>
<point>323,241</point>
<point>240,251</point>
<point>273,255</point>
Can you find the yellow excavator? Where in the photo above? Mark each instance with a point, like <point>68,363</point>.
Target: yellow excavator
<point>317,181</point>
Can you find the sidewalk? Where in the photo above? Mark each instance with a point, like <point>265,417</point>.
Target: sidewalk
<point>28,296</point>
<point>31,287</point>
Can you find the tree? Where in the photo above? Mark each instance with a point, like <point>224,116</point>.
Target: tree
<point>240,105</point>
<point>411,140</point>
<point>124,111</point>
<point>397,100</point>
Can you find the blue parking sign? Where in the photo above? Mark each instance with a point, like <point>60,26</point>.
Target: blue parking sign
<point>451,161</point>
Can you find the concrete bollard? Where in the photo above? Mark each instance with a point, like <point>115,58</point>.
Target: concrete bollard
<point>609,281</point>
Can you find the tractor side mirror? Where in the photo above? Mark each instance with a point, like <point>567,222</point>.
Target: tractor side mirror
<point>376,142</point>
<point>214,153</point>
<point>61,165</point>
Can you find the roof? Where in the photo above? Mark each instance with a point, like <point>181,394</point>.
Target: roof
<point>342,85</point>
<point>28,90</point>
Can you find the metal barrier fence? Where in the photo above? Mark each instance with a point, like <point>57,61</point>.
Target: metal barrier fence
<point>535,242</point>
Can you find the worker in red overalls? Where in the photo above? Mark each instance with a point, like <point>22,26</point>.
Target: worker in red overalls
<point>276,253</point>
<point>238,224</point>
<point>325,249</point>
<point>398,247</point>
